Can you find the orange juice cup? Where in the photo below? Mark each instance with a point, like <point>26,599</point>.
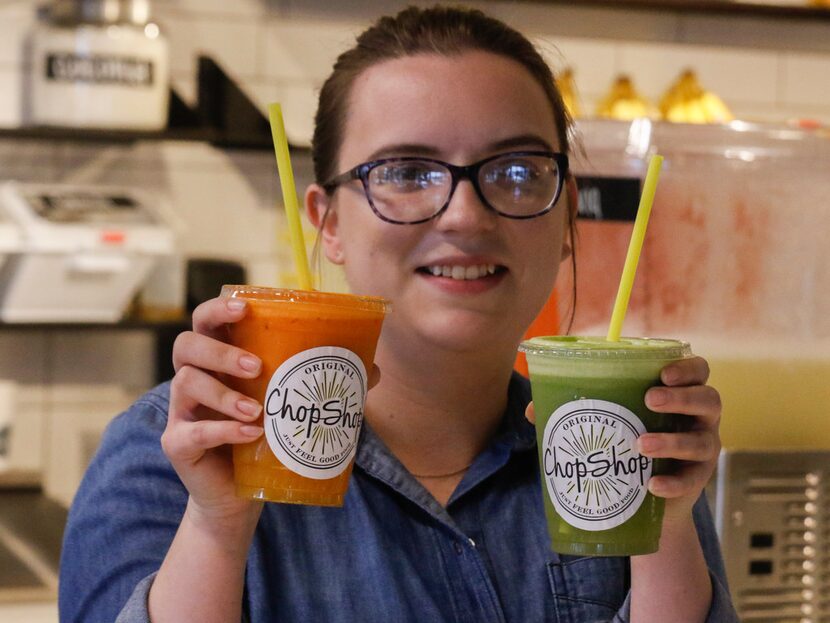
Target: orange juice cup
<point>316,349</point>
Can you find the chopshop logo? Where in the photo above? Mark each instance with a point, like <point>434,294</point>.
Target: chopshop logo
<point>99,69</point>
<point>594,476</point>
<point>314,410</point>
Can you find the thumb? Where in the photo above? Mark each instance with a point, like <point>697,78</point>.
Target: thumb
<point>374,376</point>
<point>530,413</point>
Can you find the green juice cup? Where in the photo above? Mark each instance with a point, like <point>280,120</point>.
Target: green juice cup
<point>589,399</point>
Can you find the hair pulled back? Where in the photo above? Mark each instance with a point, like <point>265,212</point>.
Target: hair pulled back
<point>446,31</point>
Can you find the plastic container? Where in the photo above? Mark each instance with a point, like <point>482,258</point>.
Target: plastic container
<point>85,251</point>
<point>97,64</point>
<point>736,260</point>
<point>10,242</point>
<point>589,398</point>
<point>317,349</point>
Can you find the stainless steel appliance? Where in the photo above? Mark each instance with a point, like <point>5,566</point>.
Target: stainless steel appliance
<point>772,511</point>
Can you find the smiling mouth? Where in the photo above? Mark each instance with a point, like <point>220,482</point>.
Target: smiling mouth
<point>462,273</point>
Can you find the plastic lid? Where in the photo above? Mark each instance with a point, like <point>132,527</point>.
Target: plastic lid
<point>285,295</point>
<point>590,347</point>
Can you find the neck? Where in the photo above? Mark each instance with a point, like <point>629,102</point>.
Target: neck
<point>437,410</point>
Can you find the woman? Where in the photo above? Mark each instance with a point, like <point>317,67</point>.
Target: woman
<point>443,520</point>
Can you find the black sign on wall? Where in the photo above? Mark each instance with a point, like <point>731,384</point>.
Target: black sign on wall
<point>608,198</point>
<point>99,68</point>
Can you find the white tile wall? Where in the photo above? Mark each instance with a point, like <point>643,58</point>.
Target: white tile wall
<point>806,80</point>
<point>303,50</point>
<point>299,103</point>
<point>10,96</point>
<point>24,360</point>
<point>655,67</point>
<point>16,18</point>
<point>26,451</point>
<point>34,612</point>
<point>234,42</point>
<point>596,62</point>
<point>77,416</point>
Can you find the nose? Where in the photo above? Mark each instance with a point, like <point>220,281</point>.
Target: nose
<point>466,213</point>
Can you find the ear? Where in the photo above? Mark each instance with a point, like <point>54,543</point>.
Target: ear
<point>572,194</point>
<point>322,214</point>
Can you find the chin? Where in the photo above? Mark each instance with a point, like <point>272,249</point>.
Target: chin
<point>466,332</point>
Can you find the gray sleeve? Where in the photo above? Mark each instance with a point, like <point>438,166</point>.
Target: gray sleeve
<point>136,610</point>
<point>721,610</point>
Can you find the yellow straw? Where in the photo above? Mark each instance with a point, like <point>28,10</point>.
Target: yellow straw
<point>289,196</point>
<point>634,248</point>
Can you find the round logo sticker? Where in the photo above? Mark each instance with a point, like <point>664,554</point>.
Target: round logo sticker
<point>595,478</point>
<point>314,409</point>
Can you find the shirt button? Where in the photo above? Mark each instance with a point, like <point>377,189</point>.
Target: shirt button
<point>457,547</point>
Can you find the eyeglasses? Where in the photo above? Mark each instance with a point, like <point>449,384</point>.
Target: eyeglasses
<point>411,190</point>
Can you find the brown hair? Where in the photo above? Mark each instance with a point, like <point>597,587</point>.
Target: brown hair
<point>447,31</point>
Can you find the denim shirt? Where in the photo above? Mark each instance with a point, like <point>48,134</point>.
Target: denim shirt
<point>391,553</point>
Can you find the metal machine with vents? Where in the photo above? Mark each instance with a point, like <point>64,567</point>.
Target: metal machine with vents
<point>772,511</point>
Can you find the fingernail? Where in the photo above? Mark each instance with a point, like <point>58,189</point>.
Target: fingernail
<point>249,363</point>
<point>248,406</point>
<point>648,444</point>
<point>657,397</point>
<point>251,431</point>
<point>235,305</point>
<point>655,486</point>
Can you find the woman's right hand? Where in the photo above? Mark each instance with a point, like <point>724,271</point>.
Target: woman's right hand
<point>206,417</point>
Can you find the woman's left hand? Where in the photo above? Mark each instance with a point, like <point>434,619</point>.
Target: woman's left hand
<point>696,449</point>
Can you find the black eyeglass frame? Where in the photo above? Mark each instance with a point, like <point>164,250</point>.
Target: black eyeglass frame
<point>457,173</point>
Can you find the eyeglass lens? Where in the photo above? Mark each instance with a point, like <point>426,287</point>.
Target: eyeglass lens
<point>515,185</point>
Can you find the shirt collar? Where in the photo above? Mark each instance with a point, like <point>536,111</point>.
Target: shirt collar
<point>515,434</point>
<point>515,430</point>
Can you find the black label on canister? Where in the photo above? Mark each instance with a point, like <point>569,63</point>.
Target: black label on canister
<point>99,69</point>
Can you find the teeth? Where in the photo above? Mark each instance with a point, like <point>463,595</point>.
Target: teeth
<point>462,272</point>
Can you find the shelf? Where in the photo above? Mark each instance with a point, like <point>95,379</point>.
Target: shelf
<point>224,116</point>
<point>164,334</point>
<point>103,136</point>
<point>76,135</point>
<point>711,7</point>
<point>128,324</point>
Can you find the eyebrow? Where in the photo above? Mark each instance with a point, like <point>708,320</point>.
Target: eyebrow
<point>419,149</point>
<point>522,140</point>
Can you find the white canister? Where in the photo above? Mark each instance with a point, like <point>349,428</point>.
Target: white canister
<point>7,408</point>
<point>97,64</point>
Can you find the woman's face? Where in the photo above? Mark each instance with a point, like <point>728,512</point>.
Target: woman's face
<point>458,109</point>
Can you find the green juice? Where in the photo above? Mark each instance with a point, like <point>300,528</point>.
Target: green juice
<point>588,395</point>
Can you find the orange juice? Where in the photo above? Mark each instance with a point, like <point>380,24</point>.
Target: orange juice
<point>316,349</point>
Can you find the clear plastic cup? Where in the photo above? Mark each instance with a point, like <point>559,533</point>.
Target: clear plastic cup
<point>316,350</point>
<point>588,394</point>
